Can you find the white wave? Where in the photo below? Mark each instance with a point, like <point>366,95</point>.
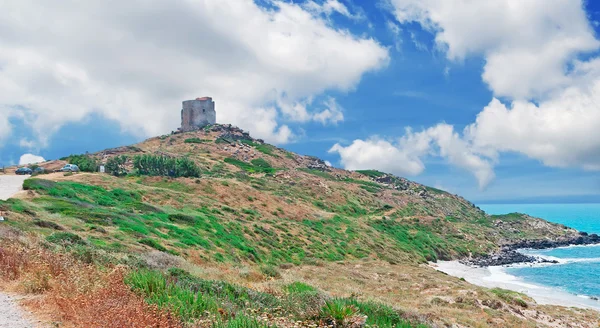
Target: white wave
<point>534,250</point>
<point>497,277</point>
<point>567,260</point>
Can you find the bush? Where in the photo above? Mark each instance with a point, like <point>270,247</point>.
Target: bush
<point>116,165</point>
<point>38,184</point>
<point>47,224</point>
<point>336,312</point>
<point>157,165</point>
<point>258,165</point>
<point>157,260</point>
<point>184,302</point>
<point>178,217</point>
<point>85,163</point>
<point>241,321</point>
<point>65,238</point>
<point>299,287</point>
<point>270,271</point>
<point>195,140</point>
<point>153,243</point>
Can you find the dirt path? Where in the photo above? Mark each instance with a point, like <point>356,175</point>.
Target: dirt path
<point>10,185</point>
<point>11,316</point>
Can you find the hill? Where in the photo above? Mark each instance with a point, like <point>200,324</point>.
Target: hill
<point>223,229</point>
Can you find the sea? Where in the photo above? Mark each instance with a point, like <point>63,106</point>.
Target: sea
<point>578,270</point>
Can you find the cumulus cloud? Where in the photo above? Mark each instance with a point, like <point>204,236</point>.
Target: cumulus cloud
<point>329,112</point>
<point>135,62</point>
<point>551,113</point>
<point>329,7</point>
<point>559,132</point>
<point>405,155</point>
<point>376,153</point>
<point>526,44</point>
<point>30,159</point>
<point>332,114</point>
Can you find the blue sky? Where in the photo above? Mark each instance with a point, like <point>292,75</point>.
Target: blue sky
<point>499,98</point>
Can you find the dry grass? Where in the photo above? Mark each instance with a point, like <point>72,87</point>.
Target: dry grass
<point>434,296</point>
<point>77,294</point>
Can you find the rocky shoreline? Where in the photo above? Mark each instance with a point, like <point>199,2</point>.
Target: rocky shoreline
<point>509,254</point>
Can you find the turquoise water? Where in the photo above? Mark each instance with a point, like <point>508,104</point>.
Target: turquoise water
<point>579,267</point>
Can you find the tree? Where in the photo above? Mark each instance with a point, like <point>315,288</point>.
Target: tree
<point>158,165</point>
<point>85,163</point>
<point>116,165</point>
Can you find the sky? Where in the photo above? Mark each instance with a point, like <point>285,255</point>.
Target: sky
<point>497,101</point>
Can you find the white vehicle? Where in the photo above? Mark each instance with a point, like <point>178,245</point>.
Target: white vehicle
<point>70,168</point>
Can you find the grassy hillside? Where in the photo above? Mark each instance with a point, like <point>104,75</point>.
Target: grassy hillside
<point>267,213</point>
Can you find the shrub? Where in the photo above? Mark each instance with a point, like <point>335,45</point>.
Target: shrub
<point>116,165</point>
<point>510,297</point>
<point>186,303</point>
<point>299,287</point>
<point>196,140</point>
<point>259,162</point>
<point>85,163</point>
<point>68,238</point>
<point>38,184</point>
<point>336,312</point>
<point>270,271</point>
<point>257,165</point>
<point>152,243</point>
<point>157,165</point>
<point>241,321</point>
<point>161,261</point>
<point>178,217</point>
<point>47,224</point>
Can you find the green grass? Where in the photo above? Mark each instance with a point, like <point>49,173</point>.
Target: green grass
<point>371,173</point>
<point>196,140</point>
<point>369,184</point>
<point>511,217</point>
<point>242,321</point>
<point>299,287</point>
<point>211,229</point>
<point>153,243</point>
<point>191,298</point>
<point>258,165</point>
<point>65,238</point>
<point>170,184</point>
<point>263,148</point>
<point>380,315</point>
<point>318,173</point>
<point>510,296</point>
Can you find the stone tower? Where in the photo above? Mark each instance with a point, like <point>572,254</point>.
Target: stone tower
<point>197,113</point>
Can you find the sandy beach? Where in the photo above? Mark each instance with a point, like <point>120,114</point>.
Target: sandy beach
<point>492,277</point>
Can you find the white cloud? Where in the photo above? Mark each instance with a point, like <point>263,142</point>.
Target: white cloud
<point>136,61</point>
<point>559,132</point>
<point>405,155</point>
<point>26,143</point>
<point>530,50</point>
<point>30,159</point>
<point>376,153</point>
<point>418,44</point>
<point>332,114</point>
<point>526,44</point>
<point>396,31</point>
<point>329,7</point>
<point>298,111</point>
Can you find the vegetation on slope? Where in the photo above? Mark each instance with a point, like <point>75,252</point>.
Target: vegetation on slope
<point>246,203</point>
